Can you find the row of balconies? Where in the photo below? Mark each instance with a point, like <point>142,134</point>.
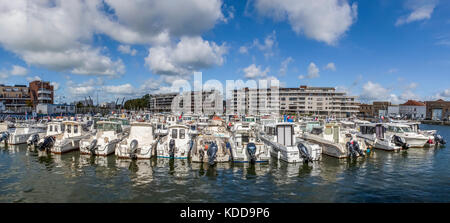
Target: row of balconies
<point>44,91</point>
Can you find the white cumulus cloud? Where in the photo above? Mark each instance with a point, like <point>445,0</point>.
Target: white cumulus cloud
<point>284,65</point>
<point>188,55</point>
<point>19,71</point>
<point>254,72</point>
<point>420,10</point>
<point>126,49</point>
<point>313,72</point>
<point>58,34</point>
<point>322,20</point>
<point>330,66</point>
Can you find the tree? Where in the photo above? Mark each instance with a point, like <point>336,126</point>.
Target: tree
<point>138,103</point>
<point>29,103</point>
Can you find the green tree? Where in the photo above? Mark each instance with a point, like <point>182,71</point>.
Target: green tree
<point>29,103</point>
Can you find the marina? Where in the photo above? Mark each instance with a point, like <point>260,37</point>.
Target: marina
<point>218,101</point>
<point>248,161</point>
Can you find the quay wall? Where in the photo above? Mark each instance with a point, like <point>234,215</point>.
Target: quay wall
<point>434,122</point>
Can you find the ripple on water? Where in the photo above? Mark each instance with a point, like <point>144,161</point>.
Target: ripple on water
<point>417,175</point>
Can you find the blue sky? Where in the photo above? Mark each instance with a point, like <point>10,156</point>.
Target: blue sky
<point>378,50</point>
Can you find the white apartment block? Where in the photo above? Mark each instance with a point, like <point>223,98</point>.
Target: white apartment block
<point>317,101</point>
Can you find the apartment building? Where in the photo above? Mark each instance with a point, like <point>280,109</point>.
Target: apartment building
<point>161,102</point>
<point>305,100</point>
<point>41,92</point>
<point>211,102</point>
<point>15,98</point>
<point>365,110</point>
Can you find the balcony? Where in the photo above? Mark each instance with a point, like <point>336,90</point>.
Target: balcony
<point>44,91</point>
<point>44,98</point>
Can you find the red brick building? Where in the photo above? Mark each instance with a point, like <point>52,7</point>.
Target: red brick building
<point>41,92</point>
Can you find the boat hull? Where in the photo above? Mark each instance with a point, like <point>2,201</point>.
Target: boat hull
<point>144,152</point>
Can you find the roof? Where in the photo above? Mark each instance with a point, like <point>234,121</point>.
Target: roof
<point>413,103</point>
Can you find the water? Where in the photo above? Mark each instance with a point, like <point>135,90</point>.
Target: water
<point>417,175</point>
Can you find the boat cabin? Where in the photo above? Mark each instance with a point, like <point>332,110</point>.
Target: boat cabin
<point>179,133</point>
<point>73,129</point>
<point>55,128</point>
<point>171,119</point>
<point>310,125</point>
<point>369,129</point>
<point>283,132</point>
<point>109,126</point>
<point>143,132</point>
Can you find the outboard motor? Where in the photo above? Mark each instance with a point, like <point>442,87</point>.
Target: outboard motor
<point>191,145</point>
<point>357,148</point>
<point>93,146</point>
<point>351,148</point>
<point>47,144</point>
<point>438,139</point>
<point>133,149</point>
<point>251,149</point>
<point>399,141</point>
<point>304,153</point>
<point>4,136</point>
<point>32,140</point>
<point>212,151</point>
<point>172,148</point>
<point>202,155</point>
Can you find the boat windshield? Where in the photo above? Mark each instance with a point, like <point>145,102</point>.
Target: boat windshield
<point>109,127</point>
<point>406,129</point>
<point>399,129</point>
<point>122,121</point>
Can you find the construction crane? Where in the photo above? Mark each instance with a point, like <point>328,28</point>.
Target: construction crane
<point>123,101</point>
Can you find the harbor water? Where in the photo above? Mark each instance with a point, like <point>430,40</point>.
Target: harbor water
<point>415,175</point>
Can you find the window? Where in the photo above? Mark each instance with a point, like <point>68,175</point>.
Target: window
<point>174,133</point>
<point>181,133</point>
<point>51,128</point>
<point>75,129</point>
<point>69,129</point>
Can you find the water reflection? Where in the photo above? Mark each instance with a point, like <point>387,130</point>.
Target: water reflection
<point>13,149</point>
<point>407,176</point>
<point>249,171</point>
<point>141,171</point>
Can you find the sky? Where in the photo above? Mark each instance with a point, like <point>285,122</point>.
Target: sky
<point>377,50</point>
